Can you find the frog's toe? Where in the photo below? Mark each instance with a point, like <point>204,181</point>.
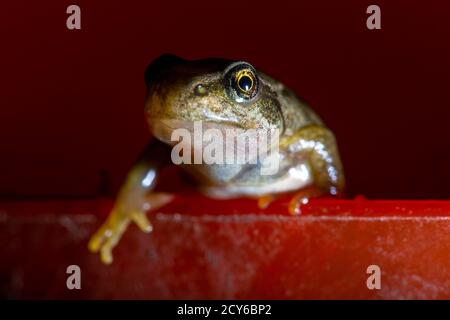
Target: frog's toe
<point>301,198</point>
<point>296,203</point>
<point>107,237</point>
<point>142,221</point>
<point>157,200</point>
<point>106,249</point>
<point>97,239</point>
<point>265,201</point>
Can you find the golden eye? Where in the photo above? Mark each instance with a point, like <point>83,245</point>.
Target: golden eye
<point>241,82</point>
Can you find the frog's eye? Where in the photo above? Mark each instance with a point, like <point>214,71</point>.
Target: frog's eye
<point>241,82</point>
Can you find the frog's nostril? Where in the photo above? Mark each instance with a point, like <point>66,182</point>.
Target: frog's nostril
<point>200,90</point>
<point>160,64</point>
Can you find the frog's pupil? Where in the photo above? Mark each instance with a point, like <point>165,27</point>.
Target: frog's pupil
<point>245,83</point>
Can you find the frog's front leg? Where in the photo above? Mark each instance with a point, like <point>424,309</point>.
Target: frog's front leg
<point>318,144</point>
<point>133,201</point>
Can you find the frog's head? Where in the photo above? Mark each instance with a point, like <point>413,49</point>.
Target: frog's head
<point>218,92</point>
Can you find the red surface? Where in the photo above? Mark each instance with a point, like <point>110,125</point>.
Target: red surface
<point>71,102</point>
<point>323,253</point>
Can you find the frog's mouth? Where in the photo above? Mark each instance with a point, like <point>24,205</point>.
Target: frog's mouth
<point>169,131</point>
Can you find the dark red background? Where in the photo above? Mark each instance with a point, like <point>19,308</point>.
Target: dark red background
<point>71,102</point>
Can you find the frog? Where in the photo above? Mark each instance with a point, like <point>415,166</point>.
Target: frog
<point>223,94</point>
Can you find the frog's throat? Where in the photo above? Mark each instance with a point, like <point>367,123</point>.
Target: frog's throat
<point>166,129</point>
